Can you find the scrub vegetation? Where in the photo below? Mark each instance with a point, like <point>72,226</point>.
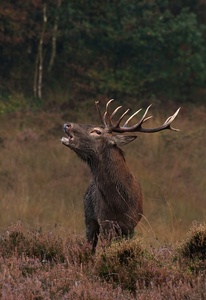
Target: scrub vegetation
<point>37,264</point>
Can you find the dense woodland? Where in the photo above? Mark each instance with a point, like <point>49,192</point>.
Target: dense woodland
<point>123,49</point>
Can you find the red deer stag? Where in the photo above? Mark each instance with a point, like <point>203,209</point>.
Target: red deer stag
<point>113,200</point>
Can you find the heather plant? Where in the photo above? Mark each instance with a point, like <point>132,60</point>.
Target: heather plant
<point>44,245</point>
<point>80,254</point>
<point>195,243</point>
<point>125,269</point>
<point>192,251</point>
<point>33,243</point>
<point>125,263</point>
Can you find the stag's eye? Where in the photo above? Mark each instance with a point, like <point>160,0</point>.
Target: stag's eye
<point>97,131</point>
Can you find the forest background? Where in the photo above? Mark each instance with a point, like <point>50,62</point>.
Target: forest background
<point>57,58</point>
<point>127,49</point>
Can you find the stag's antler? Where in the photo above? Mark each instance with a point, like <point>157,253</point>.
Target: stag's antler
<point>106,120</point>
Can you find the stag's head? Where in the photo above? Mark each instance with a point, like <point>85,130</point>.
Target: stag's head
<point>88,141</point>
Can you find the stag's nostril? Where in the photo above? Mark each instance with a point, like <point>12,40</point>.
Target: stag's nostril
<point>67,127</point>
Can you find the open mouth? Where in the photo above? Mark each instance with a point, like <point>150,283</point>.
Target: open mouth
<point>68,139</point>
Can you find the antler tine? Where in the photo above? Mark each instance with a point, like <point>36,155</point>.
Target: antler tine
<point>171,119</point>
<point>108,118</point>
<point>106,115</point>
<point>120,119</point>
<point>108,103</point>
<point>132,116</point>
<point>143,119</point>
<point>99,112</point>
<point>138,125</point>
<point>114,112</point>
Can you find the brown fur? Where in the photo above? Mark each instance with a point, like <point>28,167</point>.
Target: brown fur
<point>113,200</point>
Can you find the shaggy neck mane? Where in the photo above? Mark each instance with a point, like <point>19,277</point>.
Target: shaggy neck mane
<point>110,168</point>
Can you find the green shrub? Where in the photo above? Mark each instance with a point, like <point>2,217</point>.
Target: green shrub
<point>195,244</point>
<point>192,252</point>
<point>124,263</point>
<point>12,103</point>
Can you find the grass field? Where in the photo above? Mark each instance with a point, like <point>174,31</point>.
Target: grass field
<point>42,184</point>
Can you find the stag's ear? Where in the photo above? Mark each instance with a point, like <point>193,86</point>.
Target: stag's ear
<point>121,140</point>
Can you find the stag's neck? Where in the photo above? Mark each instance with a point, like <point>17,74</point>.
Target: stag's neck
<point>110,168</point>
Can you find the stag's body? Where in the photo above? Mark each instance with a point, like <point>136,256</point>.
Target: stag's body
<point>113,200</point>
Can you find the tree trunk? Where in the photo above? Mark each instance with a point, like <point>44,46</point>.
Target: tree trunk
<point>54,37</point>
<point>38,74</point>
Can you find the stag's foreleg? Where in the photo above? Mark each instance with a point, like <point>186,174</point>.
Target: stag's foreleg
<point>92,233</point>
<point>92,225</point>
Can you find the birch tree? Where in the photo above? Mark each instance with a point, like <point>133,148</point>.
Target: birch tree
<point>54,37</point>
<point>38,74</point>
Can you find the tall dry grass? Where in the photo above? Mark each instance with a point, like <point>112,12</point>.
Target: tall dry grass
<point>42,183</point>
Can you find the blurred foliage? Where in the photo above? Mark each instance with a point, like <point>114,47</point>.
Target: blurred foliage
<point>11,103</point>
<point>113,48</point>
